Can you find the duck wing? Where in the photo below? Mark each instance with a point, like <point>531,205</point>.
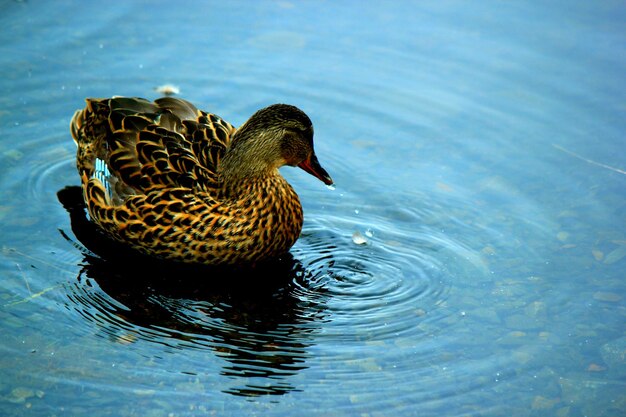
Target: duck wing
<point>134,146</point>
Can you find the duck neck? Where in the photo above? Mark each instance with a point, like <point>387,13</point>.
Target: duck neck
<point>242,184</point>
<point>246,162</point>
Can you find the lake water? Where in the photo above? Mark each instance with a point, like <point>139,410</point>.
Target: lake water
<point>470,261</point>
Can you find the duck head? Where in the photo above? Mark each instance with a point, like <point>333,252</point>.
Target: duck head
<point>274,136</point>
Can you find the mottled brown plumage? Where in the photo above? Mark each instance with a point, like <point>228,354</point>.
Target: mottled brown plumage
<point>177,183</point>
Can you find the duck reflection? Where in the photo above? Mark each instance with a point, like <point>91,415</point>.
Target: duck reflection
<point>260,321</point>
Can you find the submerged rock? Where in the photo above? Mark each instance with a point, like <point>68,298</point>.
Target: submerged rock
<point>19,395</point>
<point>610,297</point>
<point>592,396</point>
<point>543,403</point>
<point>614,355</point>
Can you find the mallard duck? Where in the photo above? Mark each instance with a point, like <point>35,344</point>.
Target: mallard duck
<point>180,184</point>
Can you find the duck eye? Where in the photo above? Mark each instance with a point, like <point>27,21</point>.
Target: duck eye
<point>300,132</point>
<point>295,147</point>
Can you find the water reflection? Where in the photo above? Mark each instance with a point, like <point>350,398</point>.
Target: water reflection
<point>261,322</point>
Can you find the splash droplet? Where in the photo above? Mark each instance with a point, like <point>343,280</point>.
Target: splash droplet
<point>358,238</point>
<point>167,89</point>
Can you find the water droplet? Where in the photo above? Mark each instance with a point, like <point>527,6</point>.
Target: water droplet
<point>331,187</point>
<point>369,233</point>
<point>356,211</point>
<point>168,89</point>
<point>358,238</point>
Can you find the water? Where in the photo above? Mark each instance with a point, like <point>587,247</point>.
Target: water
<point>469,261</point>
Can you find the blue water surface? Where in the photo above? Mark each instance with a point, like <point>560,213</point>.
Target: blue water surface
<point>469,262</point>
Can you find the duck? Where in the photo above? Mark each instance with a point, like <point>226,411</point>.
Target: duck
<point>181,184</point>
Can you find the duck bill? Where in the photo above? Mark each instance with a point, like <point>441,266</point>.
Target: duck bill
<point>313,167</point>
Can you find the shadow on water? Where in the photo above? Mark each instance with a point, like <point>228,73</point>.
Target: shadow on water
<point>261,321</point>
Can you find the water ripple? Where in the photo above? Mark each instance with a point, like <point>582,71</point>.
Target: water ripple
<point>441,218</point>
<point>388,287</point>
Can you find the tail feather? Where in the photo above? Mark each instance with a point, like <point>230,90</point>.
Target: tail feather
<point>89,128</point>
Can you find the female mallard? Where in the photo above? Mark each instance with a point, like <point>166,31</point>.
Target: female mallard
<point>180,184</point>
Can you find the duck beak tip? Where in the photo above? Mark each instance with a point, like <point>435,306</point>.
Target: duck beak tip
<point>313,167</point>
